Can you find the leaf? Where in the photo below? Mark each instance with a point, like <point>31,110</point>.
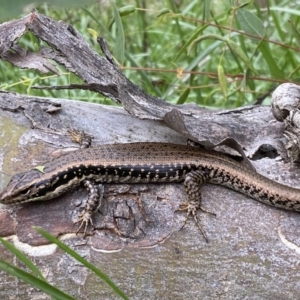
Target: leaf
<point>199,57</point>
<point>193,38</point>
<point>239,52</point>
<point>243,4</point>
<point>40,168</point>
<point>183,96</point>
<point>120,39</point>
<point>267,54</point>
<point>163,12</point>
<point>206,10</point>
<point>291,11</point>
<point>222,80</point>
<point>205,37</point>
<point>235,48</point>
<point>93,33</point>
<point>295,31</point>
<point>250,23</point>
<point>126,10</point>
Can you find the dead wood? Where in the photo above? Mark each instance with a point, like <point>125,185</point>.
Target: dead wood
<point>253,249</point>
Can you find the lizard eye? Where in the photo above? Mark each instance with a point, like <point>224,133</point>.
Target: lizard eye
<point>25,192</point>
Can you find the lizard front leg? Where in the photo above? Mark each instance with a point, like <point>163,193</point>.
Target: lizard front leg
<point>94,196</point>
<point>92,205</point>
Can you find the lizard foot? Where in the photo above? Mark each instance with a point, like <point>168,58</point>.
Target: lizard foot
<point>80,137</point>
<point>85,218</point>
<point>191,209</point>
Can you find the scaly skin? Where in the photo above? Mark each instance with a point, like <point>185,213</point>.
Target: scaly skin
<point>146,163</point>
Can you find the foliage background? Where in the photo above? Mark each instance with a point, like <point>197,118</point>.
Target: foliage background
<point>216,53</point>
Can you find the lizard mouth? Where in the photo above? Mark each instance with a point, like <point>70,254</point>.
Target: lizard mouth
<point>7,197</point>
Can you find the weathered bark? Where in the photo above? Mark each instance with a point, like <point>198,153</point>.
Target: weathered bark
<point>285,108</point>
<point>253,248</point>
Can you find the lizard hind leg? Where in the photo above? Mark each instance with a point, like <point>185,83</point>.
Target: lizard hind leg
<point>80,137</point>
<point>192,183</point>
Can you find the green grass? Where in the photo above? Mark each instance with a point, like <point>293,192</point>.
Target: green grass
<point>213,53</point>
<point>35,278</point>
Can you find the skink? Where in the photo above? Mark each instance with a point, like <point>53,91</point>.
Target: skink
<point>145,163</point>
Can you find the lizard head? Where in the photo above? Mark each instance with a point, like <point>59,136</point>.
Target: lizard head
<point>21,188</point>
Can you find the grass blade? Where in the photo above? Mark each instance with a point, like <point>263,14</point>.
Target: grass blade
<point>23,258</point>
<point>34,281</point>
<point>68,250</point>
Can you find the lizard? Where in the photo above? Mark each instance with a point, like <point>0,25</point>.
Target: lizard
<point>145,162</point>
